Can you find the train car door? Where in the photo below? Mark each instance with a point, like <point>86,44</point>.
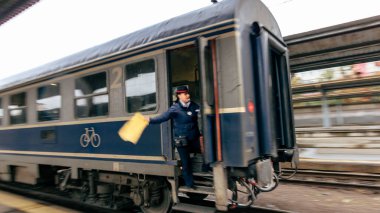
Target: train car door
<point>207,100</point>
<point>211,119</point>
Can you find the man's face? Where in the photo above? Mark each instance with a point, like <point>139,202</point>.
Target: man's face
<point>184,97</point>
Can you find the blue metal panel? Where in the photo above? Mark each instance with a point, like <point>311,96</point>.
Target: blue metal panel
<point>210,153</point>
<point>232,141</point>
<point>238,135</point>
<point>68,140</point>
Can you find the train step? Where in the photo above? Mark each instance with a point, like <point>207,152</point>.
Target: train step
<point>185,207</point>
<point>198,189</point>
<point>208,183</point>
<point>203,174</point>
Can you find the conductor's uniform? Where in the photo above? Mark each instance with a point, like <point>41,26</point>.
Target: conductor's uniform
<point>186,133</point>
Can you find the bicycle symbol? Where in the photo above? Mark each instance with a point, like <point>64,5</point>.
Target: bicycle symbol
<point>90,136</point>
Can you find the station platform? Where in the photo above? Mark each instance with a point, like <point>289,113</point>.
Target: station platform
<point>13,203</point>
<point>339,148</point>
<point>315,199</point>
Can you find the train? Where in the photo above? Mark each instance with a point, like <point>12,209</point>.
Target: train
<point>59,121</point>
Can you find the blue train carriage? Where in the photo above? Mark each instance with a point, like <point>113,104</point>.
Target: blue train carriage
<point>59,122</point>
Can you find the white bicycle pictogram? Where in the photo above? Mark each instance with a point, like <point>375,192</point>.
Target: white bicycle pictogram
<point>90,136</point>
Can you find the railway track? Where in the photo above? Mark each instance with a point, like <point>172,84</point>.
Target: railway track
<point>340,179</point>
<point>207,206</point>
<point>352,179</point>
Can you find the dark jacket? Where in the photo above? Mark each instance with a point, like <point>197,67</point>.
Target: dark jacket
<point>185,120</point>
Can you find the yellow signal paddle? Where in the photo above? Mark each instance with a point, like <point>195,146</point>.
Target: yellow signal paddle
<point>132,130</point>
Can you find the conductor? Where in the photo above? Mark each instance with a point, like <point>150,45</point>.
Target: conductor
<point>184,114</point>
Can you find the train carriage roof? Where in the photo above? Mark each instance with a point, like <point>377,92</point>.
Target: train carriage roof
<point>224,11</point>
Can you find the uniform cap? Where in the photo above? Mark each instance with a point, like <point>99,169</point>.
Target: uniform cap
<point>181,89</point>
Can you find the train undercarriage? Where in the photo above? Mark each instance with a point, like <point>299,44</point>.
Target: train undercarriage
<point>120,191</point>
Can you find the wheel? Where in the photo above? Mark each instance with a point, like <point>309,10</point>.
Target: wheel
<point>95,140</point>
<point>164,206</point>
<point>84,140</point>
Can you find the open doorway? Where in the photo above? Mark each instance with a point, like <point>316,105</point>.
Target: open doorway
<point>183,69</point>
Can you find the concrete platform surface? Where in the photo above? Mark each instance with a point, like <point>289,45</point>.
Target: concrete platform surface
<point>303,198</point>
<point>13,203</point>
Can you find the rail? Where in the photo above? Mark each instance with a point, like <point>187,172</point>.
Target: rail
<point>352,179</point>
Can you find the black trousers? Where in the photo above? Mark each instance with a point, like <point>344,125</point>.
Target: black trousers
<point>184,153</point>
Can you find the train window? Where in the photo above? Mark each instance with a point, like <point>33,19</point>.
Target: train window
<point>140,86</point>
<point>17,108</point>
<point>1,112</point>
<point>48,102</point>
<point>91,96</point>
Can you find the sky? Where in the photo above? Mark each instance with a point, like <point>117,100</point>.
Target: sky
<point>52,29</point>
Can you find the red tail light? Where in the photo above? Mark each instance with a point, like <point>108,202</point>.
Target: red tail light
<point>251,107</point>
